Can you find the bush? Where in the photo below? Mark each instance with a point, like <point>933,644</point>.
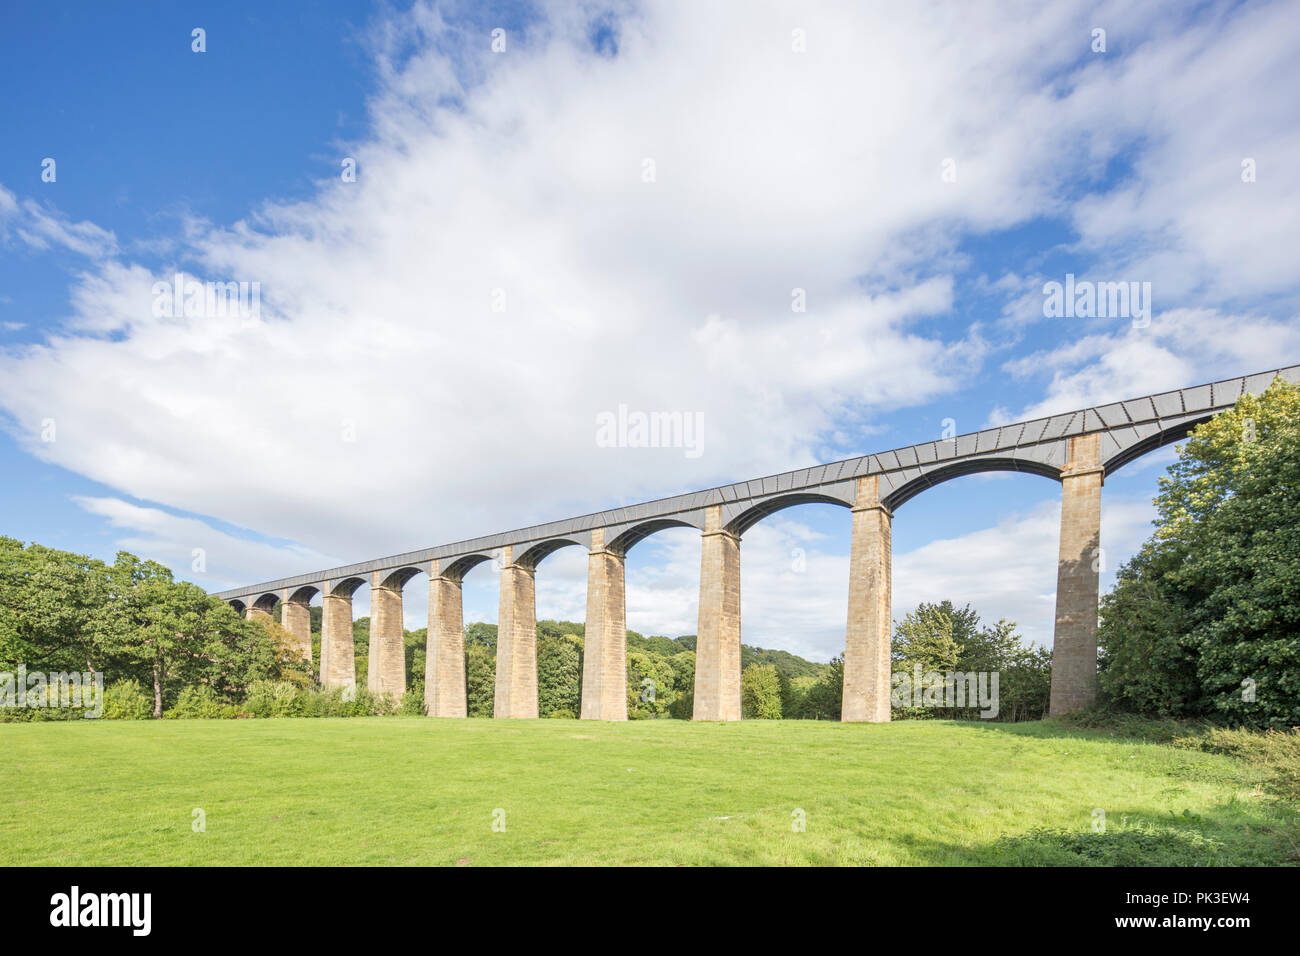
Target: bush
<point>196,703</point>
<point>127,700</point>
<point>275,699</point>
<point>760,693</point>
<point>412,703</point>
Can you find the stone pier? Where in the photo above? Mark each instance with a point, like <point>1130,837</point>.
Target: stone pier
<point>338,662</point>
<point>867,642</point>
<point>256,613</point>
<point>295,617</point>
<point>516,679</point>
<point>1074,645</point>
<point>386,673</point>
<point>717,649</point>
<point>604,654</point>
<point>444,674</point>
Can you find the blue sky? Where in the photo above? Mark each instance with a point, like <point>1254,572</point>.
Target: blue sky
<point>523,172</point>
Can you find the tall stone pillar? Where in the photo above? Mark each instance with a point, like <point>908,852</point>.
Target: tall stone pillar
<point>717,648</point>
<point>444,667</point>
<point>386,673</point>
<point>1074,644</point>
<point>867,642</point>
<point>338,664</point>
<point>604,649</point>
<point>295,617</point>
<point>516,683</point>
<point>256,613</point>
<point>323,669</point>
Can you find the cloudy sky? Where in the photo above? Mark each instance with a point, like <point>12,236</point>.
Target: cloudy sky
<point>475,228</point>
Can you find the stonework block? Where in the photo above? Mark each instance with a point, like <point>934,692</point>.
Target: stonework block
<point>717,651</point>
<point>869,636</point>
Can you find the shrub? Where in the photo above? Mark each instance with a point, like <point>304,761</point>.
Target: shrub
<point>760,693</point>
<point>196,703</point>
<point>127,700</point>
<point>275,699</point>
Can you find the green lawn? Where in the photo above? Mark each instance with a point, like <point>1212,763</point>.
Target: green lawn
<point>424,792</point>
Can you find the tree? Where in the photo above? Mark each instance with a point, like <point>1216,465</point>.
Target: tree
<point>926,637</point>
<point>559,675</point>
<point>50,602</point>
<point>1205,619</point>
<point>825,699</point>
<point>480,679</point>
<point>650,685</point>
<point>760,693</point>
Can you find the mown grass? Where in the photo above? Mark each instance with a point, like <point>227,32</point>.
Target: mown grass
<point>426,792</point>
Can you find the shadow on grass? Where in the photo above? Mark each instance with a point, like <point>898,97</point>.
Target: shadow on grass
<point>1221,837</point>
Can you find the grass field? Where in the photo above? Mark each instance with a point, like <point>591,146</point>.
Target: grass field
<point>426,792</point>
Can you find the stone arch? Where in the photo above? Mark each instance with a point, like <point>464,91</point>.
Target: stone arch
<point>459,567</point>
<point>239,606</point>
<point>534,555</point>
<point>304,594</point>
<point>396,580</point>
<point>1166,436</point>
<point>957,469</point>
<point>769,506</point>
<point>347,587</point>
<point>626,540</point>
<point>267,602</point>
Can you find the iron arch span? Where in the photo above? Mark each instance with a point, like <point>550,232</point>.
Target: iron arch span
<point>1076,448</point>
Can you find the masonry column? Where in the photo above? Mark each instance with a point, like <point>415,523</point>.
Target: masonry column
<point>338,664</point>
<point>867,642</point>
<point>717,648</point>
<point>604,651</point>
<point>255,613</point>
<point>516,684</point>
<point>295,617</point>
<point>1074,645</point>
<point>386,673</point>
<point>444,667</point>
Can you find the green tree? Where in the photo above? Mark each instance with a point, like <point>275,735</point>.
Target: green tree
<point>559,675</point>
<point>825,699</point>
<point>1205,619</point>
<point>480,679</point>
<point>760,693</point>
<point>50,605</point>
<point>650,685</point>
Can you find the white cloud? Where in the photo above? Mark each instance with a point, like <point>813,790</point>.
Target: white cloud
<point>775,170</point>
<point>224,559</point>
<point>1180,347</point>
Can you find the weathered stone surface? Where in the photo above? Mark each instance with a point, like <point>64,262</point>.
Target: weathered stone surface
<point>867,643</point>
<point>717,649</point>
<point>516,680</point>
<point>339,663</point>
<point>444,675</point>
<point>1076,447</point>
<point>1074,647</point>
<point>295,617</point>
<point>386,673</point>
<point>604,663</point>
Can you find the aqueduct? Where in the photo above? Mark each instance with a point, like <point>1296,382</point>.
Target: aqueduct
<point>1078,449</point>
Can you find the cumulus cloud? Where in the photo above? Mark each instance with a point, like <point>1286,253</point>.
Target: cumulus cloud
<point>1180,347</point>
<point>538,236</point>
